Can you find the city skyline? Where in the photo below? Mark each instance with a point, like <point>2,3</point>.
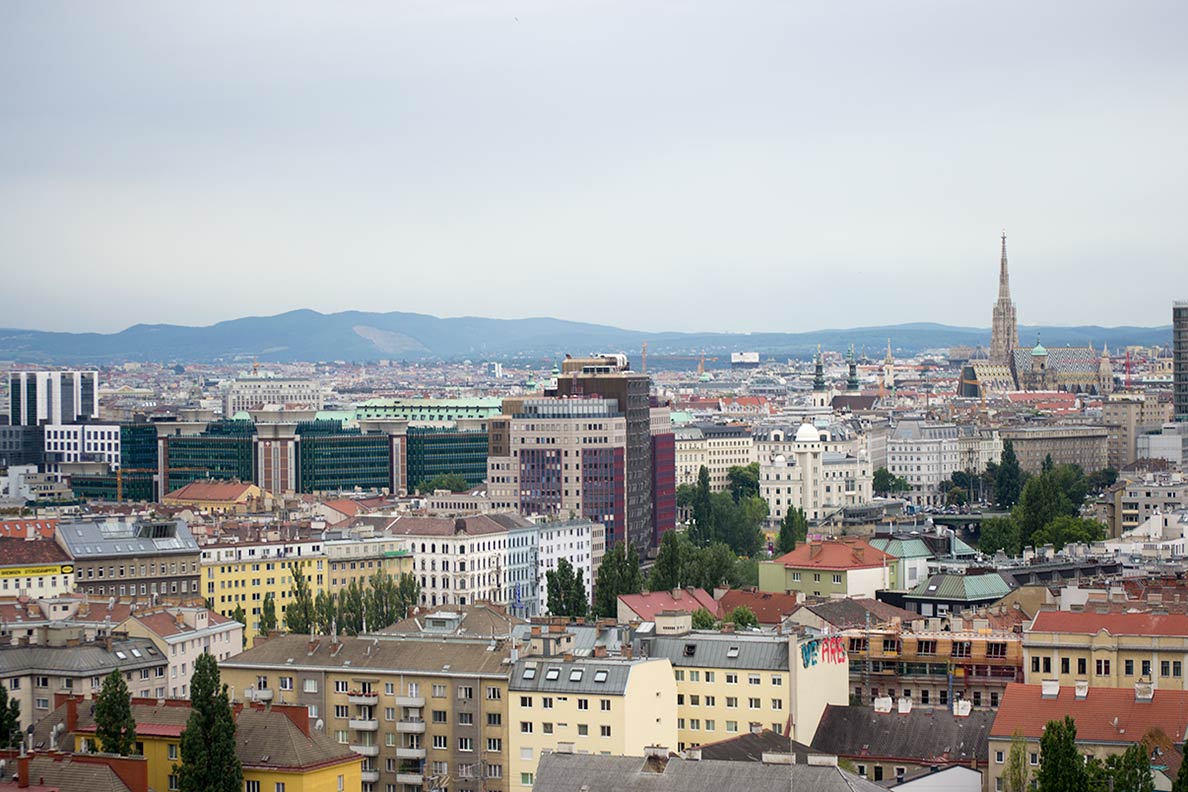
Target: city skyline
<point>856,164</point>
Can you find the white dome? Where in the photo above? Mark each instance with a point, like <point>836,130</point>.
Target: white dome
<point>807,433</point>
<point>780,459</point>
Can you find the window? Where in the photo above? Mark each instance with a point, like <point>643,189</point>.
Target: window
<point>280,786</point>
<point>340,735</point>
<point>777,704</point>
<point>494,718</point>
<point>494,744</point>
<point>553,674</point>
<point>583,704</point>
<point>732,702</point>
<point>1164,668</point>
<point>172,751</point>
<point>494,694</point>
<point>575,675</point>
<point>1177,668</point>
<point>286,683</point>
<point>340,685</point>
<point>709,676</point>
<point>494,771</point>
<point>753,679</point>
<point>583,730</point>
<point>465,693</point>
<point>311,685</point>
<point>694,700</point>
<point>996,650</point>
<point>732,726</point>
<point>1146,668</point>
<point>605,705</point>
<point>1082,666</point>
<point>1127,667</point>
<point>526,779</point>
<point>753,703</point>
<point>465,743</point>
<point>525,727</point>
<point>546,702</point>
<point>731,679</point>
<point>680,675</point>
<point>172,783</point>
<point>1064,665</point>
<point>441,742</point>
<point>1033,759</point>
<point>341,711</point>
<point>962,649</point>
<point>525,701</point>
<point>439,716</point>
<point>251,786</point>
<point>836,579</point>
<point>1047,665</point>
<point>390,713</point>
<point>1035,661</point>
<point>1103,667</point>
<point>439,691</point>
<point>465,718</point>
<point>604,730</point>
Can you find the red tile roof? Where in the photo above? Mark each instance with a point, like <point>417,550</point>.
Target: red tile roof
<point>344,506</point>
<point>647,606</point>
<point>31,552</point>
<point>769,608</point>
<point>20,528</point>
<point>1024,708</point>
<point>211,491</point>
<point>1113,623</point>
<point>836,554</point>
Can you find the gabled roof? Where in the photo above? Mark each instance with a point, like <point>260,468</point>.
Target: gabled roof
<point>852,611</point>
<point>835,554</point>
<point>71,775</point>
<point>592,675</point>
<point>269,739</point>
<point>647,606</point>
<point>422,654</point>
<point>768,607</point>
<point>1114,623</point>
<point>19,529</point>
<point>922,736</point>
<point>968,588</point>
<point>569,772</point>
<point>751,746</point>
<point>481,620</point>
<point>1110,715</point>
<point>228,491</point>
<point>761,651</point>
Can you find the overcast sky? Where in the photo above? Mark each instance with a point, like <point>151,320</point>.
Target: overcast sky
<point>656,165</point>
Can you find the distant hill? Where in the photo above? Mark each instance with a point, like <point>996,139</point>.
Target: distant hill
<point>306,335</point>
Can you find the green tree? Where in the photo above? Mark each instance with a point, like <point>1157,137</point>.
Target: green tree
<point>1047,465</point>
<point>711,567</point>
<point>241,617</point>
<point>956,496</point>
<point>351,613</point>
<point>744,481</point>
<point>1103,479</point>
<point>454,482</point>
<point>115,728</point>
<point>1062,769</point>
<point>325,611</point>
<point>10,719</point>
<point>1000,533</point>
<point>208,759</point>
<point>299,613</point>
<point>1069,530</point>
<point>743,617</point>
<point>408,591</point>
<point>793,530</point>
<point>618,574</point>
<point>267,614</point>
<point>1180,783</point>
<point>886,483</point>
<point>1041,502</point>
<point>1075,485</point>
<point>1008,483</point>
<point>567,591</point>
<point>704,620</point>
<point>1014,776</point>
<point>744,573</point>
<point>668,572</point>
<point>702,529</point>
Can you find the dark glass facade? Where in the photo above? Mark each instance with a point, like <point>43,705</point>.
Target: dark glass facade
<point>330,458</point>
<point>433,452</point>
<point>224,451</point>
<point>663,485</point>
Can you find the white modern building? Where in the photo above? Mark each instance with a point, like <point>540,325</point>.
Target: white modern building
<point>255,393</point>
<point>81,443</point>
<point>804,474</point>
<point>52,397</point>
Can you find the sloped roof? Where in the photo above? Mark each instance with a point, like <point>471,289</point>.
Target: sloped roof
<point>1024,708</point>
<point>20,528</point>
<point>851,611</point>
<point>902,548</point>
<point>768,607</point>
<point>837,554</point>
<point>75,776</point>
<point>580,675</point>
<point>970,588</point>
<point>87,659</point>
<point>269,739</point>
<point>229,491</point>
<point>24,552</point>
<point>923,736</point>
<point>568,772</point>
<point>647,606</point>
<point>762,651</point>
<point>424,654</point>
<point>481,620</point>
<point>751,746</point>
<point>1113,623</point>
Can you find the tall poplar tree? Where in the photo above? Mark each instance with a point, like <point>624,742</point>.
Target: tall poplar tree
<point>115,728</point>
<point>209,762</point>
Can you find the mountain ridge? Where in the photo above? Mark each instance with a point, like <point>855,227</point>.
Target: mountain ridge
<point>304,334</point>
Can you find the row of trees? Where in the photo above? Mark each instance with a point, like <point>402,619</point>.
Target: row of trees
<point>381,601</point>
<point>1063,768</point>
<point>742,617</point>
<point>1046,512</point>
<point>208,761</point>
<point>681,564</point>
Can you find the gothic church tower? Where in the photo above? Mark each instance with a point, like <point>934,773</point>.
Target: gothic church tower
<point>1004,332</point>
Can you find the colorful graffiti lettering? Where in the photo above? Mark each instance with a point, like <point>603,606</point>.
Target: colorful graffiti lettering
<point>826,650</point>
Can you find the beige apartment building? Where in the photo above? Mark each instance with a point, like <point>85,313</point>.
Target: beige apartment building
<point>1114,650</point>
<point>1126,416</point>
<point>418,709</point>
<point>1086,446</point>
<point>603,705</point>
<point>717,447</point>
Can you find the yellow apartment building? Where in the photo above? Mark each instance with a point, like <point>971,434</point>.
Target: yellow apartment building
<point>604,705</point>
<point>726,683</point>
<point>1106,649</point>
<point>415,709</point>
<point>359,559</point>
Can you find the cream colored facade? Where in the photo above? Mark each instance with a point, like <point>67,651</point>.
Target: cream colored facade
<point>554,701</point>
<point>1126,416</point>
<point>717,447</point>
<point>813,478</point>
<point>820,670</point>
<point>1105,660</point>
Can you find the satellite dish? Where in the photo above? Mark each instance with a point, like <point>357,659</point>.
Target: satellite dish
<point>319,725</point>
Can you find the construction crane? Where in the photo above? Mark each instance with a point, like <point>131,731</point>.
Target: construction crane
<point>699,358</point>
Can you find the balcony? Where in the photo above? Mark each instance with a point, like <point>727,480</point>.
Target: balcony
<point>369,776</point>
<point>416,779</point>
<point>411,726</point>
<point>410,753</point>
<point>410,701</point>
<point>365,750</point>
<point>363,699</point>
<point>260,694</point>
<point>364,724</point>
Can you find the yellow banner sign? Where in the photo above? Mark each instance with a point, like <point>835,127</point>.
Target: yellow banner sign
<point>37,571</point>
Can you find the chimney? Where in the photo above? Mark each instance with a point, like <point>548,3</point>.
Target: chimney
<point>882,704</point>
<point>693,754</point>
<point>728,627</point>
<point>1049,688</point>
<point>815,549</point>
<point>600,651</point>
<point>625,651</point>
<point>1081,686</point>
<point>23,770</point>
<point>905,705</point>
<point>1144,691</point>
<point>567,657</point>
<point>676,593</point>
<point>71,714</point>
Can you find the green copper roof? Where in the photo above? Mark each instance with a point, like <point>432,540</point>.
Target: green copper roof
<point>902,548</point>
<point>962,587</point>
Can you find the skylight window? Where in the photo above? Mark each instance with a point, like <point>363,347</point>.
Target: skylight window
<point>529,673</point>
<point>732,652</point>
<point>575,675</point>
<point>136,653</point>
<point>553,674</point>
<point>600,675</point>
<point>121,655</point>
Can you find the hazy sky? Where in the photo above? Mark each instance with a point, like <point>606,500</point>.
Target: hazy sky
<point>657,165</point>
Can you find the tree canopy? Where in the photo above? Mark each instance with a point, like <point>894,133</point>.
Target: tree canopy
<point>267,614</point>
<point>1015,775</point>
<point>618,574</point>
<point>567,591</point>
<point>1062,769</point>
<point>1008,482</point>
<point>886,483</point>
<point>454,482</point>
<point>719,517</point>
<point>744,481</point>
<point>793,530</point>
<point>10,719</point>
<point>703,619</point>
<point>115,728</point>
<point>743,617</point>
<point>681,565</point>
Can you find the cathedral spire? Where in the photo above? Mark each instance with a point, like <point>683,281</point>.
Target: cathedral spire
<point>1004,278</point>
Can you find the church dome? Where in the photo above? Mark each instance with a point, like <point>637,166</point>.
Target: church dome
<point>1038,350</point>
<point>807,433</point>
